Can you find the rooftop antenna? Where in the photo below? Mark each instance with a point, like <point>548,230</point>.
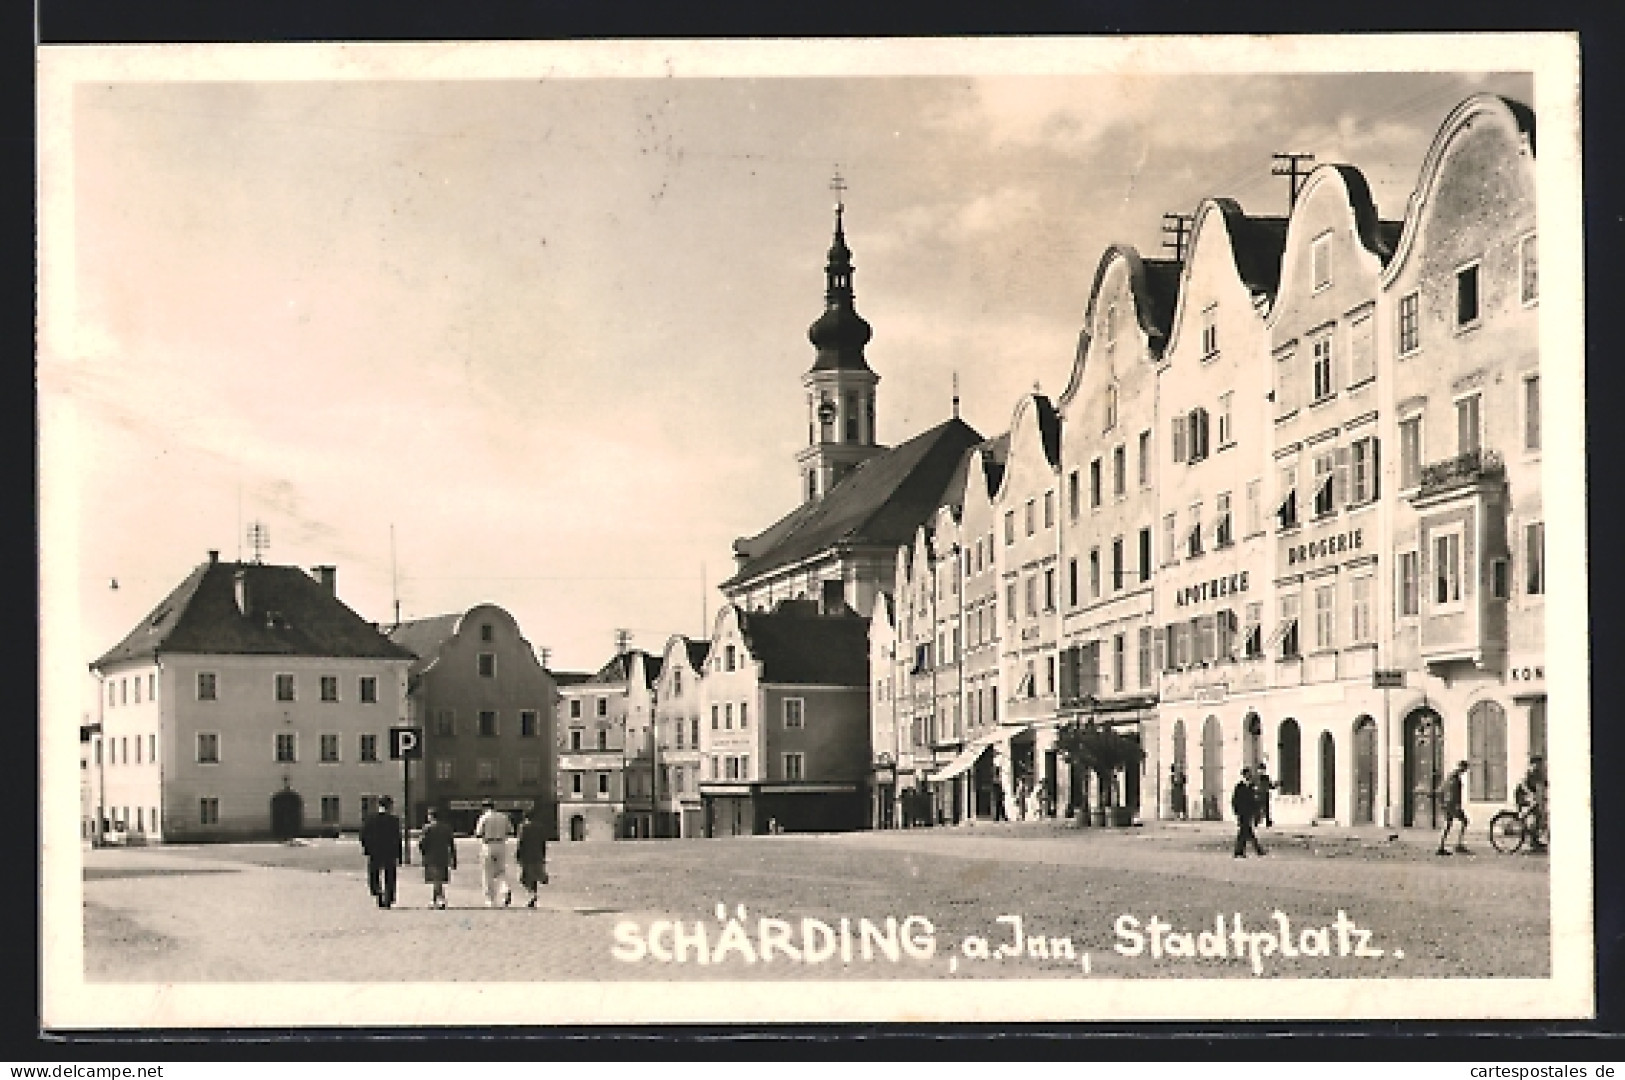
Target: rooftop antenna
<point>837,184</point>
<point>547,655</point>
<point>394,579</point>
<point>1177,226</point>
<point>239,521</point>
<point>623,638</point>
<point>259,539</point>
<point>956,395</point>
<point>1287,165</point>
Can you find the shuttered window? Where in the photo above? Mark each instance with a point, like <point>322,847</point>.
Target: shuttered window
<point>1487,752</point>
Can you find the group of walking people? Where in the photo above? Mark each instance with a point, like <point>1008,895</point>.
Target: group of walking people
<point>383,842</point>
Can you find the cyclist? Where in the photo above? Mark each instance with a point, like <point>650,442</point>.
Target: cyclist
<point>1531,797</point>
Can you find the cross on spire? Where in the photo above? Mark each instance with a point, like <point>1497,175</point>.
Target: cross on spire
<point>837,184</point>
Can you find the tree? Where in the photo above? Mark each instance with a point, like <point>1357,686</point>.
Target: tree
<point>1101,750</point>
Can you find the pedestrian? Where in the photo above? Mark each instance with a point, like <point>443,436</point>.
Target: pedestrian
<point>1263,785</point>
<point>531,851</point>
<point>381,841</point>
<point>1176,781</point>
<point>999,813</point>
<point>1450,791</point>
<point>438,846</point>
<point>493,829</point>
<point>1531,793</point>
<point>1244,801</point>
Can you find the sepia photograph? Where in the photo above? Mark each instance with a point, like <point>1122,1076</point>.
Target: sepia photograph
<point>1055,529</point>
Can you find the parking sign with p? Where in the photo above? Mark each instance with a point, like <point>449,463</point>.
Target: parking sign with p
<point>405,742</point>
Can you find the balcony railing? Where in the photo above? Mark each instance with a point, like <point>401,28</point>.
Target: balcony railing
<point>1461,471</point>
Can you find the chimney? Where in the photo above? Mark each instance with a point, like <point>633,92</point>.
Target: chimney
<point>240,581</point>
<point>214,556</point>
<point>329,577</point>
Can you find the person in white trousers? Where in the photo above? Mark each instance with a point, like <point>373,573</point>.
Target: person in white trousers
<point>493,829</point>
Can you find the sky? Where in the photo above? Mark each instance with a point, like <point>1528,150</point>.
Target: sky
<point>548,333</point>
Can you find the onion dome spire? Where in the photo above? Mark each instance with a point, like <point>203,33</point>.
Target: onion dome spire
<point>840,333</point>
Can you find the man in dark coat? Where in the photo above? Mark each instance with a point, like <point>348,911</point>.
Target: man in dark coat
<point>381,841</point>
<point>532,854</point>
<point>1263,785</point>
<point>1244,802</point>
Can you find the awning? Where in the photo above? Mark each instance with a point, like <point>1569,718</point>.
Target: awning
<point>971,753</point>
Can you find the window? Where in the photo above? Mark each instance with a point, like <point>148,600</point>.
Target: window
<point>488,723</point>
<point>1145,459</point>
<point>575,784</point>
<point>694,732</point>
<point>207,687</point>
<point>602,705</point>
<point>795,766</point>
<point>112,692</point>
<point>1365,470</point>
<point>485,772</point>
<point>1032,595</point>
<point>208,810</point>
<point>1410,451</point>
<point>1289,756</point>
<point>1528,270</point>
<point>744,715</point>
<point>1193,539</point>
<point>1145,656</point>
<point>137,681</point>
<point>1467,425</point>
<point>1010,602</point>
<point>330,687</point>
<point>445,769</point>
<point>1360,629</point>
<point>1071,496</point>
<point>575,709</point>
<point>1119,661</point>
<point>152,747</point>
<point>1049,589</point>
<point>488,665</point>
<point>369,748</point>
<point>369,689</point>
<point>1072,582</point>
<point>445,722</point>
<point>1467,312</point>
<point>603,783</point>
<point>744,766</point>
<point>1447,568</point>
<point>1094,573</point>
<point>1009,527</point>
<point>1531,412</point>
<point>527,724</point>
<point>1253,632</point>
<point>1321,352</point>
<point>1170,534</point>
<point>1362,350</point>
<point>1196,434</point>
<point>1325,470</point>
<point>1049,509</point>
<point>1534,558</point>
<point>1111,407</point>
<point>1537,728</point>
<point>1410,323</point>
<point>330,747</point>
<point>1117,563</point>
<point>1094,483</point>
<point>1289,627</point>
<point>575,739</point>
<point>795,712</point>
<point>1227,431</point>
<point>1320,260</point>
<point>1145,554</point>
<point>603,738</point>
<point>1286,385</point>
<point>728,716</point>
<point>284,688</point>
<point>1031,517</point>
<point>1255,507</point>
<point>1223,531</point>
<point>1487,752</point>
<point>1210,330</point>
<point>1120,471</point>
<point>330,810</point>
<point>1181,449</point>
<point>208,748</point>
<point>287,746</point>
<point>1408,590</point>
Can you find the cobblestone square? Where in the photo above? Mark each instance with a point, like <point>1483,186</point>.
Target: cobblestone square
<point>301,912</point>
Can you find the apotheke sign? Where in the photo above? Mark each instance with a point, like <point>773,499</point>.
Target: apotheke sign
<point>1211,590</point>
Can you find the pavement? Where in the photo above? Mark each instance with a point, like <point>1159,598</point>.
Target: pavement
<point>1132,901</point>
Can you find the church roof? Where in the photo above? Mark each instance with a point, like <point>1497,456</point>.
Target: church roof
<point>880,502</point>
<point>289,613</point>
<point>796,644</point>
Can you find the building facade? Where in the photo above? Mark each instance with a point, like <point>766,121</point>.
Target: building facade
<point>604,724</point>
<point>487,709</point>
<point>679,708</point>
<point>251,702</point>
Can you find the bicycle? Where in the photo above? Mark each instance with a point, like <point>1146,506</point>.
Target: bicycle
<point>1511,829</point>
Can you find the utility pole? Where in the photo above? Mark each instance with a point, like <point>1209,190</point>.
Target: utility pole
<point>1289,165</point>
<point>623,638</point>
<point>1177,226</point>
<point>394,579</point>
<point>546,655</point>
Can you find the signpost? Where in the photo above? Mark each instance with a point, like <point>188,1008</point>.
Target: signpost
<point>406,743</point>
<point>1386,679</point>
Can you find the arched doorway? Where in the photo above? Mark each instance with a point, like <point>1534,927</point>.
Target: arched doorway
<point>287,814</point>
<point>1178,797</point>
<point>1289,758</point>
<point>1328,776</point>
<point>1424,767</point>
<point>1365,771</point>
<point>578,827</point>
<point>1252,740</point>
<point>1212,770</point>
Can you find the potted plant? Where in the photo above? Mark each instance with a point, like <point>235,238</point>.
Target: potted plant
<point>1102,751</point>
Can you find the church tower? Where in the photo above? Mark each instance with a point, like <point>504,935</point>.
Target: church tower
<point>840,385</point>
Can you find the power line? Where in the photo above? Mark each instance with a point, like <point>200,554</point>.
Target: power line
<point>1287,165</point>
